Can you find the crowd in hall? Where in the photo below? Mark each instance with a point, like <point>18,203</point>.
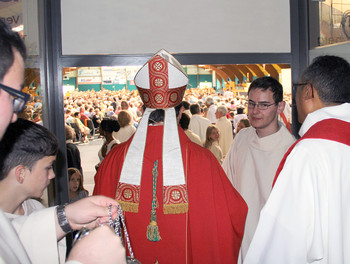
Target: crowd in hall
<point>88,108</point>
<point>85,110</point>
<point>95,106</point>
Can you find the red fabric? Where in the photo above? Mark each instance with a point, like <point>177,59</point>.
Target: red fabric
<point>159,95</point>
<point>212,230</point>
<point>329,129</point>
<point>83,117</point>
<point>285,121</point>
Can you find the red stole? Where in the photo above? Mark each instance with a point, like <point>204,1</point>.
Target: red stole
<point>285,121</point>
<point>329,129</point>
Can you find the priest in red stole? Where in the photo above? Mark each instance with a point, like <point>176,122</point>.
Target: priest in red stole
<point>179,205</point>
<point>306,218</point>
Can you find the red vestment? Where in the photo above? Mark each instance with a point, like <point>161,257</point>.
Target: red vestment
<point>211,231</point>
<point>323,129</point>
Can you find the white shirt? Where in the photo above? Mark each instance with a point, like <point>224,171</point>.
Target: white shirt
<point>211,114</point>
<point>226,134</point>
<point>216,150</point>
<point>124,133</point>
<point>188,112</point>
<point>251,165</point>
<point>109,147</point>
<point>199,125</point>
<point>306,218</point>
<point>193,137</point>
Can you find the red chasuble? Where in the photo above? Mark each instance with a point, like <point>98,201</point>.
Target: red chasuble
<point>329,129</point>
<point>211,231</point>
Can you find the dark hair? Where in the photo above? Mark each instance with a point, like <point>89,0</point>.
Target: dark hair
<point>110,125</point>
<point>24,143</point>
<point>184,121</point>
<point>268,83</point>
<point>124,102</point>
<point>330,76</point>
<point>240,110</point>
<point>72,171</point>
<point>245,121</point>
<point>194,109</point>
<point>158,115</point>
<point>9,40</point>
<point>185,104</point>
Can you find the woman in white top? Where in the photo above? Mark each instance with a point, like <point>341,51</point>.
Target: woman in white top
<point>126,127</point>
<point>107,128</point>
<point>212,142</point>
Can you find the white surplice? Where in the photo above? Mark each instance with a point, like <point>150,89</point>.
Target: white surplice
<point>250,165</point>
<point>124,133</point>
<point>11,248</point>
<point>211,114</point>
<point>226,134</point>
<point>193,137</point>
<point>199,125</point>
<point>53,252</point>
<point>29,239</point>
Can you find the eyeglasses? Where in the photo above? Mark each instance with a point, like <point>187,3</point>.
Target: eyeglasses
<point>20,99</point>
<point>261,106</point>
<point>299,84</point>
<point>295,86</point>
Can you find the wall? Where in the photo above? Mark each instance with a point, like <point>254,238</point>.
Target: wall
<point>341,50</point>
<point>114,87</point>
<point>205,26</point>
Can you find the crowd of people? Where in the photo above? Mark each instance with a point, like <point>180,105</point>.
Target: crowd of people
<point>126,107</point>
<point>203,178</point>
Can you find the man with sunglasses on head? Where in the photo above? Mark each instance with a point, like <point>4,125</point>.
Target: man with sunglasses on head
<point>256,151</point>
<point>306,218</point>
<point>43,228</point>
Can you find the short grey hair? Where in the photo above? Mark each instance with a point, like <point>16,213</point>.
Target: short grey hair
<point>209,100</point>
<point>222,109</point>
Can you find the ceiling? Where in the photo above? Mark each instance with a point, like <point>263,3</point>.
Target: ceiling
<point>239,71</point>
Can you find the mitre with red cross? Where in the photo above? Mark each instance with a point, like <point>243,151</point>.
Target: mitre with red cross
<point>162,81</point>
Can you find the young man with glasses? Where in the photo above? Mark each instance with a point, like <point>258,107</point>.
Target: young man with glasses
<point>256,151</point>
<point>306,218</point>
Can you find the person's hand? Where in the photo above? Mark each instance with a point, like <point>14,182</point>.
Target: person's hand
<point>102,245</point>
<point>90,211</point>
